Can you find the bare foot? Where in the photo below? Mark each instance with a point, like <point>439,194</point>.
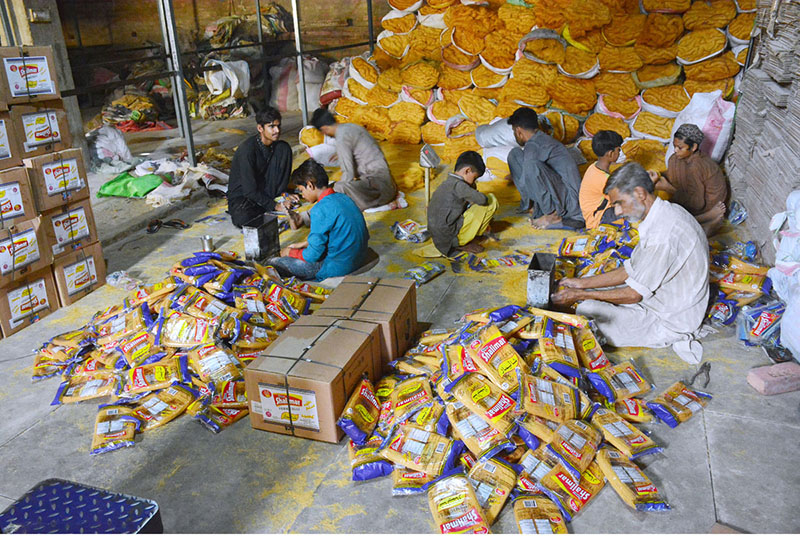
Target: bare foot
<point>546,221</point>
<point>471,247</point>
<point>295,220</point>
<point>717,211</point>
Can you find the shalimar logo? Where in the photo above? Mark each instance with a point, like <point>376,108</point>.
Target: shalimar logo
<point>417,475</point>
<point>572,487</point>
<point>491,348</point>
<point>229,392</point>
<point>274,309</point>
<point>500,407</point>
<point>466,521</point>
<point>137,378</point>
<point>633,408</point>
<point>569,448</point>
<point>367,394</point>
<point>27,70</point>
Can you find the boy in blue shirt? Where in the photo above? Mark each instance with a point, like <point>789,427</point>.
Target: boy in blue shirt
<point>337,240</point>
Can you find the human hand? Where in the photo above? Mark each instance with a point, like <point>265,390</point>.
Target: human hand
<point>566,296</point>
<point>285,251</point>
<point>295,220</point>
<point>654,176</point>
<point>571,282</point>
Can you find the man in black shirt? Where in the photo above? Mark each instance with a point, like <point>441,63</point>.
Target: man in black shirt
<point>260,170</point>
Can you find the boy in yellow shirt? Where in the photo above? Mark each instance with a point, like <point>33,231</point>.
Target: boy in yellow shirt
<point>607,145</point>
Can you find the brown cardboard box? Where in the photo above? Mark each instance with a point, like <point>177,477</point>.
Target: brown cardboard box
<point>28,74</point>
<point>301,383</point>
<point>391,303</point>
<point>10,150</point>
<point>58,178</point>
<point>16,200</point>
<point>23,250</point>
<point>69,228</point>
<point>28,300</point>
<point>79,273</point>
<point>41,127</point>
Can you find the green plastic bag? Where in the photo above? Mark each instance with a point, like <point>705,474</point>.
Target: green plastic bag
<point>126,185</point>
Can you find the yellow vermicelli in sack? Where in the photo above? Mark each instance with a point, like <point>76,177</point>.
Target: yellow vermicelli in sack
<point>390,80</point>
<point>455,507</point>
<point>417,449</point>
<point>624,29</point>
<point>524,91</point>
<point>453,147</point>
<point>481,19</point>
<point>404,133</point>
<point>346,107</point>
<point>492,481</point>
<point>623,435</point>
<point>487,401</point>
<point>696,86</point>
<point>367,71</point>
<point>583,16</point>
<point>651,73</point>
<point>742,26</point>
<point>462,129</point>
<point>547,50</point>
<point>580,93</point>
<point>453,78</point>
<point>517,19</point>
<point>420,75</point>
<point>620,59</point>
<point>495,358</point>
<point>357,90</point>
<point>311,137</point>
<point>672,97</point>
<point>400,25</point>
<point>536,514</point>
<point>719,68</point>
<point>477,109</point>
<point>383,60</point>
<point>160,407</point>
<point>674,6</point>
<point>577,61</point>
<point>402,5</point>
<point>395,45</point>
<point>591,42</point>
<point>425,41</point>
<point>505,109</point>
<point>654,125</point>
<point>715,14</point>
<point>586,150</point>
<point>374,119</point>
<point>433,134</point>
<point>114,428</point>
<point>533,73</point>
<point>619,84</point>
<point>547,399</point>
<point>468,41</point>
<point>660,30</point>
<point>656,55</point>
<point>597,122</point>
<point>626,107</point>
<point>550,14</point>
<point>452,55</point>
<point>439,6</point>
<point>741,57</point>
<point>482,77</point>
<point>700,44</point>
<point>407,111</point>
<point>377,96</point>
<point>631,484</point>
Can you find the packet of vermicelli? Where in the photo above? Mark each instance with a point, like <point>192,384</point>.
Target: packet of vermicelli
<point>619,382</point>
<point>160,407</point>
<point>155,376</point>
<point>626,437</point>
<point>590,353</point>
<point>539,428</point>
<point>455,507</point>
<point>212,363</point>
<point>409,396</point>
<point>409,482</point>
<point>366,462</point>
<point>114,428</point>
<point>360,415</point>
<point>480,439</point>
<point>536,514</point>
<point>558,349</point>
<point>492,481</point>
<point>487,401</point>
<point>575,445</point>
<point>420,450</point>
<point>547,399</point>
<point>633,410</point>
<point>572,494</point>
<point>535,465</point>
<point>678,404</point>
<point>630,483</point>
<point>495,358</point>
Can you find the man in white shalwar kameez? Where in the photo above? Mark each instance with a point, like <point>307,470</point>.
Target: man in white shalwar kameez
<point>659,296</point>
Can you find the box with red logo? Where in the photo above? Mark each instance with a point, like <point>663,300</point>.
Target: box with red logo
<point>58,178</point>
<point>69,228</point>
<point>390,303</point>
<point>10,150</point>
<point>41,127</point>
<point>78,273</point>
<point>16,200</point>
<point>27,300</point>
<point>301,383</point>
<point>28,75</point>
<point>23,250</point>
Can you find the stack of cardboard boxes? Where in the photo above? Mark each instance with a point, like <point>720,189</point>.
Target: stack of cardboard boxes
<point>49,254</point>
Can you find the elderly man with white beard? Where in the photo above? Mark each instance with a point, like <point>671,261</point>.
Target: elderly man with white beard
<point>659,296</point>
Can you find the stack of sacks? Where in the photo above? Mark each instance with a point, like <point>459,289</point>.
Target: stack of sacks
<point>585,65</point>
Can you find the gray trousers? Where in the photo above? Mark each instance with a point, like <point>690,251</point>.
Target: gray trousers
<point>538,184</point>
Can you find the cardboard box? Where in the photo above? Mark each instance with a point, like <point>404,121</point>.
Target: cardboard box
<point>28,300</point>
<point>69,228</point>
<point>23,250</point>
<point>390,303</point>
<point>58,178</point>
<point>28,75</point>
<point>10,150</point>
<point>16,199</point>
<point>41,127</point>
<point>79,273</point>
<point>301,383</point>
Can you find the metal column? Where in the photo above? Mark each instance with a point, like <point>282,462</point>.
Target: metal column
<point>298,45</point>
<point>371,27</point>
<point>167,14</point>
<point>9,30</point>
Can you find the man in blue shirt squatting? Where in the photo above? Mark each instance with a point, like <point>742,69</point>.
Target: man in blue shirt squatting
<point>337,241</point>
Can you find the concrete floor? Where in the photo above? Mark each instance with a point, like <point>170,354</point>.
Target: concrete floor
<point>735,463</point>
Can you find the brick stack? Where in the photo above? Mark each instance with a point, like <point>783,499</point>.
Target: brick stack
<point>762,160</point>
<point>49,254</point>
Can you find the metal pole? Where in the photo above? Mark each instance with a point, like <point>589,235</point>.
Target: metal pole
<point>9,31</point>
<point>166,45</point>
<point>177,79</point>
<point>298,45</point>
<point>264,72</point>
<point>371,27</point>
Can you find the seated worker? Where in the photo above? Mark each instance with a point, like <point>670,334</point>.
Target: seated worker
<point>659,296</point>
<point>337,240</point>
<point>260,170</point>
<point>544,173</point>
<point>365,174</point>
<point>607,145</point>
<point>458,214</point>
<point>694,180</point>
